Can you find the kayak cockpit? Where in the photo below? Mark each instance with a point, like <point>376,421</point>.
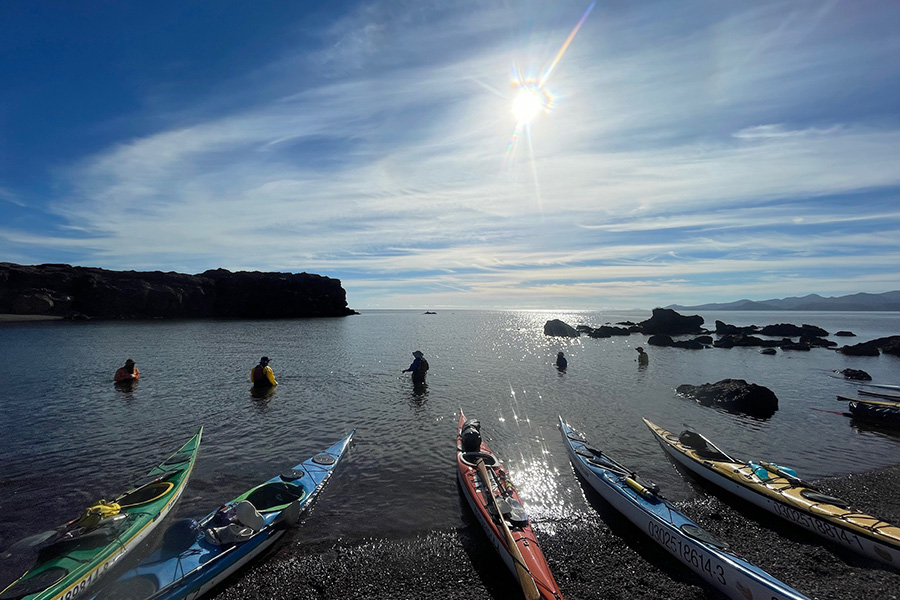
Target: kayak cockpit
<point>274,496</point>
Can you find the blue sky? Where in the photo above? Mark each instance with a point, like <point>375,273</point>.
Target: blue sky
<point>686,152</point>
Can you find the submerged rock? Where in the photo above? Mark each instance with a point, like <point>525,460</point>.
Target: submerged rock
<point>733,395</point>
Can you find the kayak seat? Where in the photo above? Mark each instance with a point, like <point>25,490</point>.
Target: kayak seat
<point>274,496</point>
<point>471,458</point>
<point>229,534</point>
<point>247,523</point>
<point>247,515</point>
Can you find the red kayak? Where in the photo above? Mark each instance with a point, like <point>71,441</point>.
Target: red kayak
<point>512,535</point>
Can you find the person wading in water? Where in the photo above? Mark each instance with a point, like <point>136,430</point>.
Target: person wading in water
<point>127,373</point>
<point>418,368</point>
<point>262,375</point>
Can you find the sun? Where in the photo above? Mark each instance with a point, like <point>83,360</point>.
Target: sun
<point>530,101</point>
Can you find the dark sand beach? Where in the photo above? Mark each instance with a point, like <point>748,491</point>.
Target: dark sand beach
<point>595,558</point>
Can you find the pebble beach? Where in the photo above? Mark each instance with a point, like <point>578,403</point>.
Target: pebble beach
<point>602,557</point>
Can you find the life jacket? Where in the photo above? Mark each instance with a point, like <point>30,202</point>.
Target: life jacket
<point>259,376</point>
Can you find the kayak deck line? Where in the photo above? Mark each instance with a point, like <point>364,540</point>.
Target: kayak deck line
<point>792,499</point>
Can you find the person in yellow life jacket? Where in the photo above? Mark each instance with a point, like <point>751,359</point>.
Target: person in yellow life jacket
<point>127,373</point>
<point>262,375</point>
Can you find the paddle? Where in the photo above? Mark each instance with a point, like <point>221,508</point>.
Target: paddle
<point>834,412</point>
<point>792,479</point>
<point>528,587</point>
<point>716,448</point>
<point>30,543</point>
<point>893,397</point>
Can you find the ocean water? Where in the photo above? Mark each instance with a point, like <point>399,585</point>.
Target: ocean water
<point>70,437</point>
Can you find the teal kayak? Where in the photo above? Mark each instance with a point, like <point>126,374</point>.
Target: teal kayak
<point>195,556</point>
<point>74,556</point>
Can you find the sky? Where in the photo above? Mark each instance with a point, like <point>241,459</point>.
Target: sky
<point>674,152</point>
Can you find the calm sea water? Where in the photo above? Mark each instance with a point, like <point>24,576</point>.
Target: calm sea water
<point>70,437</point>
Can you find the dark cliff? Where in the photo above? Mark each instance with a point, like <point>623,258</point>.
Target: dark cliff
<point>83,292</point>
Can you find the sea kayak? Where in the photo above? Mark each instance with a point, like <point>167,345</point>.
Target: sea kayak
<point>779,491</point>
<point>641,502</point>
<point>881,395</point>
<point>885,411</point>
<point>196,556</point>
<point>875,401</point>
<point>74,556</point>
<point>490,493</point>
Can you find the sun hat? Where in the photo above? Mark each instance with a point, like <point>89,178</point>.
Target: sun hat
<point>418,354</point>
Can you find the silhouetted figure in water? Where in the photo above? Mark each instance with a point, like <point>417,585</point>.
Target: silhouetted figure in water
<point>561,363</point>
<point>642,358</point>
<point>418,368</point>
<point>128,373</point>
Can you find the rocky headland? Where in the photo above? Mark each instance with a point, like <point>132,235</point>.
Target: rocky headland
<point>64,291</point>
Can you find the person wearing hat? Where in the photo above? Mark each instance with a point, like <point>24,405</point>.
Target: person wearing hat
<point>561,362</point>
<point>642,359</point>
<point>262,375</point>
<point>418,368</point>
<point>127,373</point>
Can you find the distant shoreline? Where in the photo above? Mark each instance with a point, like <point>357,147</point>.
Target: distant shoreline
<point>15,318</point>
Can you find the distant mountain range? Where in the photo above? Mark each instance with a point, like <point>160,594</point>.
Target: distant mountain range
<point>888,301</point>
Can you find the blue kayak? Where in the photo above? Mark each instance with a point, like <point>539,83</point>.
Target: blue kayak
<point>196,556</point>
<point>641,502</point>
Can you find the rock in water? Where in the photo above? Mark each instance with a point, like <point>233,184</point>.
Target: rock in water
<point>666,321</point>
<point>558,328</point>
<point>855,374</point>
<point>734,395</point>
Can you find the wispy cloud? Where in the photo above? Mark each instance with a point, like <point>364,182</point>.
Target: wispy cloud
<point>679,150</point>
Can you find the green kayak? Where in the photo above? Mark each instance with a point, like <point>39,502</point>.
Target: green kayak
<point>74,556</point>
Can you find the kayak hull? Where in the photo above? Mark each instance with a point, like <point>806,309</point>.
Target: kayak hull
<point>790,499</point>
<point>699,551</point>
<point>190,569</point>
<point>142,509</point>
<point>476,494</point>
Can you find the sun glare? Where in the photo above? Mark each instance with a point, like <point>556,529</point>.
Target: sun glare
<point>528,103</point>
